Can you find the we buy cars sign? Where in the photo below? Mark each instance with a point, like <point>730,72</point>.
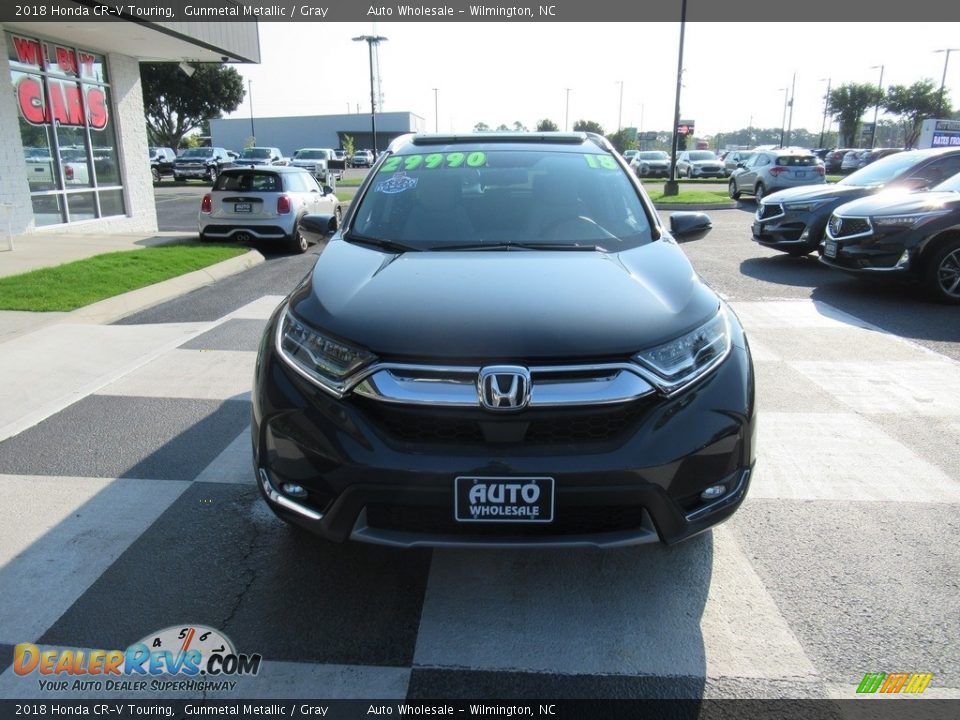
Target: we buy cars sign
<point>67,103</point>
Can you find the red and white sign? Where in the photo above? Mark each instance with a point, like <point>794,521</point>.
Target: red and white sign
<point>66,104</point>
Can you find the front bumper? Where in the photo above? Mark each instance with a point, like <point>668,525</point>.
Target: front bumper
<point>625,475</point>
<point>707,172</point>
<point>878,255</point>
<point>789,230</point>
<point>197,172</point>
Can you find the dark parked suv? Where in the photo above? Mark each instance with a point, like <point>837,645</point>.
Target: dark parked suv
<point>794,220</point>
<point>913,236</point>
<point>503,345</point>
<point>203,163</point>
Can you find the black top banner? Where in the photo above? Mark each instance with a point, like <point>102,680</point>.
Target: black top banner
<point>825,11</point>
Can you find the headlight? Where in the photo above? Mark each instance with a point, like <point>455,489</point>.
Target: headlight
<point>809,206</point>
<point>689,357</point>
<point>318,357</point>
<point>907,220</point>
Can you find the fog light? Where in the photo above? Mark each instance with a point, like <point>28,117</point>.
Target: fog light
<point>713,492</point>
<point>805,235</point>
<point>293,490</point>
<point>904,261</point>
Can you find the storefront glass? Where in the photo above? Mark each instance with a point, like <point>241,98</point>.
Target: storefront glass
<point>68,135</point>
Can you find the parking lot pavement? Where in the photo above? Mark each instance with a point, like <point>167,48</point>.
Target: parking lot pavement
<point>136,510</point>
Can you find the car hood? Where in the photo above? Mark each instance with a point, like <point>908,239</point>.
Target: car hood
<point>841,193</point>
<point>504,305</point>
<point>896,202</point>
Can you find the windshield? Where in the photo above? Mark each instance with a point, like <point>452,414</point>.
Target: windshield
<point>702,155</point>
<point>197,153</point>
<point>255,153</point>
<point>654,155</point>
<point>311,155</point>
<point>884,170</point>
<point>434,200</point>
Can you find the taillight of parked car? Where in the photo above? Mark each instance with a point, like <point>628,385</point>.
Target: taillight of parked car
<point>68,172</point>
<point>206,205</point>
<point>777,169</point>
<point>821,170</point>
<point>283,205</point>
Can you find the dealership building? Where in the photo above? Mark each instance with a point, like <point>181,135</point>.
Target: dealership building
<point>74,157</point>
<point>313,131</point>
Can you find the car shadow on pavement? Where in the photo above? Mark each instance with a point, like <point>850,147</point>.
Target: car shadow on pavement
<point>782,269</point>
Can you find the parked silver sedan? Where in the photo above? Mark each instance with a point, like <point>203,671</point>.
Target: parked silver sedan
<point>265,202</point>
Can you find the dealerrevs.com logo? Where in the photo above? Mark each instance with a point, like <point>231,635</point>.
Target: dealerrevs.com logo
<point>182,657</point>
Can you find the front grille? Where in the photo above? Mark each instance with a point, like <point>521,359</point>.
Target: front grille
<point>769,210</point>
<point>574,520</point>
<point>475,427</point>
<point>841,227</point>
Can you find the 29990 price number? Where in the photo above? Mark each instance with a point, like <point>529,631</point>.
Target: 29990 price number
<point>434,161</point>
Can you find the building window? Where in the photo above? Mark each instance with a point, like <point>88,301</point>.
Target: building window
<point>67,131</point>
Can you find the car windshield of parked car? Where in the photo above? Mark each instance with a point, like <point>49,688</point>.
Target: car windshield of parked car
<point>653,155</point>
<point>255,154</point>
<point>311,155</point>
<point>884,170</point>
<point>248,181</point>
<point>502,198</point>
<point>951,184</point>
<point>197,153</point>
<point>702,155</point>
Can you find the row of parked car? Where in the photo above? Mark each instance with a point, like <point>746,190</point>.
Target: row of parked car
<point>208,162</point>
<point>896,218</point>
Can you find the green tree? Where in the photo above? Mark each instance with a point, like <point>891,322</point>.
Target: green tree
<point>847,103</point>
<point>502,128</point>
<point>547,125</point>
<point>519,127</point>
<point>623,140</point>
<point>348,145</point>
<point>176,104</point>
<point>913,105</point>
<point>588,126</point>
<point>481,127</point>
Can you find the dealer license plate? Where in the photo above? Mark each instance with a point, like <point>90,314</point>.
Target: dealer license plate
<point>503,499</point>
<point>830,248</point>
<point>243,207</point>
<point>801,173</point>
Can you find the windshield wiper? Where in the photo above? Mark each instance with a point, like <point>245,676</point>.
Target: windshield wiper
<point>380,243</point>
<point>520,245</point>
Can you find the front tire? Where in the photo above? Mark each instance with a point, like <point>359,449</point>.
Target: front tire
<point>942,274</point>
<point>155,174</point>
<point>759,192</point>
<point>212,174</point>
<point>732,189</point>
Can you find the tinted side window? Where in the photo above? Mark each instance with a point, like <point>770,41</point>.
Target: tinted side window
<point>939,170</point>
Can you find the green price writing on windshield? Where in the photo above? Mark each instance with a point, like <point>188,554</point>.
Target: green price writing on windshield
<point>604,162</point>
<point>433,161</point>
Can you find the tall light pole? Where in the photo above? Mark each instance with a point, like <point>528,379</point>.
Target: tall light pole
<point>944,80</point>
<point>253,132</point>
<point>876,108</point>
<point>671,187</point>
<point>436,113</point>
<point>372,40</point>
<point>620,111</point>
<point>793,94</point>
<point>566,121</point>
<point>826,104</point>
<point>783,125</point>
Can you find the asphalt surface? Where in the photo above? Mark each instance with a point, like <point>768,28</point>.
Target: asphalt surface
<point>137,493</point>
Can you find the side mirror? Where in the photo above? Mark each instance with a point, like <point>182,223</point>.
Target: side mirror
<point>686,226</point>
<point>318,227</point>
<point>741,165</point>
<point>327,190</point>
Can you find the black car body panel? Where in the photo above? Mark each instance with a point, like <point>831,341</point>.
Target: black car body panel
<point>799,230</point>
<point>348,461</point>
